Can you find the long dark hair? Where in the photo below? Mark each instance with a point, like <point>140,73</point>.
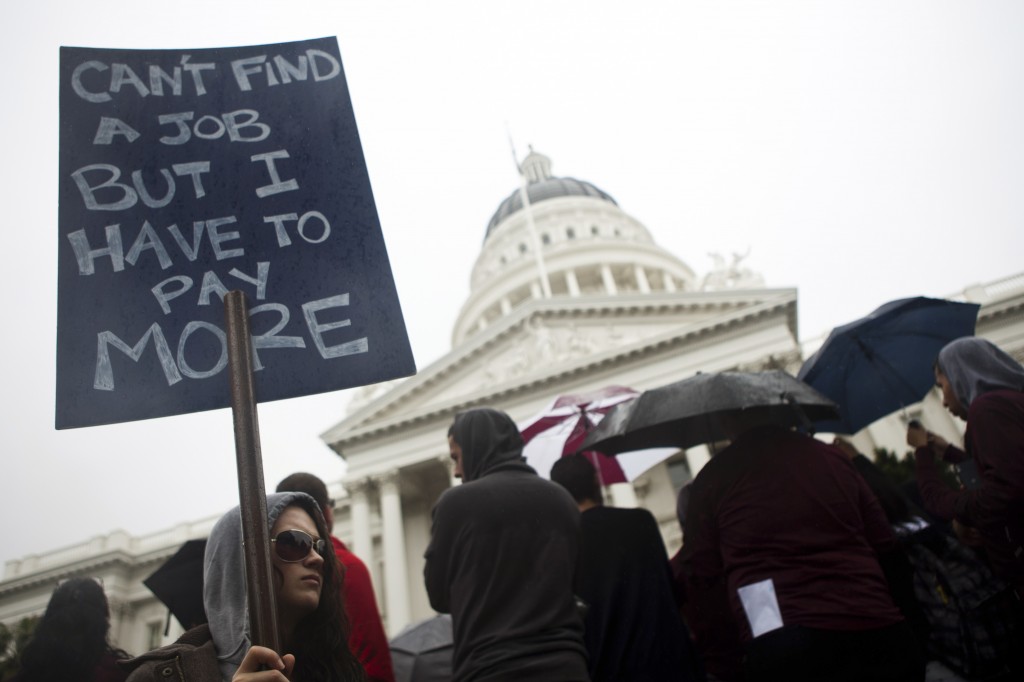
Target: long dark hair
<point>71,637</point>
<point>320,642</point>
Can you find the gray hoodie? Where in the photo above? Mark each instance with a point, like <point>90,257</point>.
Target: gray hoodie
<point>974,366</point>
<point>224,590</point>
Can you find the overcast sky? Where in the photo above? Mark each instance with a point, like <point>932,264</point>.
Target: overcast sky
<point>861,151</point>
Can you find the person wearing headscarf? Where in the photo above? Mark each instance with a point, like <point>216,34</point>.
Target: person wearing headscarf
<point>70,641</point>
<point>984,386</point>
<point>501,560</point>
<point>310,616</point>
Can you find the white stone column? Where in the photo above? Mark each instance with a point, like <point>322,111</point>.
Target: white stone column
<point>609,280</point>
<point>360,493</point>
<point>696,458</point>
<point>670,283</point>
<point>359,513</point>
<point>641,279</point>
<point>122,621</point>
<point>396,580</point>
<point>506,305</point>
<point>623,496</point>
<point>535,292</point>
<point>449,466</point>
<point>572,284</point>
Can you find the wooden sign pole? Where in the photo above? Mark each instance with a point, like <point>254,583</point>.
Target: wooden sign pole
<point>251,494</point>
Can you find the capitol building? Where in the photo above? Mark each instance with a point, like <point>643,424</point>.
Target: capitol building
<point>569,294</point>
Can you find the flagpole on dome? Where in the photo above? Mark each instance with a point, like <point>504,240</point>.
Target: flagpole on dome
<point>535,167</point>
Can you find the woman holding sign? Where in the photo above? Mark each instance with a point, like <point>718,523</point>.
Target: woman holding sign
<point>311,619</point>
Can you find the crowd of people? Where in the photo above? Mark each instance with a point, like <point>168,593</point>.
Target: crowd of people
<point>800,561</point>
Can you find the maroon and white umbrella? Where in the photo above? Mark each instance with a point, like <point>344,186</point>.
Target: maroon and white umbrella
<point>559,429</point>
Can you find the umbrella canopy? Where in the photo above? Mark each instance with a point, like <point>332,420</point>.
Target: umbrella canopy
<point>560,428</point>
<point>707,408</point>
<point>883,362</point>
<point>178,583</point>
<point>422,652</point>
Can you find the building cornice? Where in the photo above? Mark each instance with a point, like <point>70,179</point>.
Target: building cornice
<point>86,566</point>
<point>739,308</point>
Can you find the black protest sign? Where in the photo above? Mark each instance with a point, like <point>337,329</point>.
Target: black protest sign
<point>185,174</point>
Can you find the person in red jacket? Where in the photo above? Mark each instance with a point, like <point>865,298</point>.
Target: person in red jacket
<point>366,639</point>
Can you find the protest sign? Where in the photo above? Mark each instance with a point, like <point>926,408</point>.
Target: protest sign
<point>185,174</point>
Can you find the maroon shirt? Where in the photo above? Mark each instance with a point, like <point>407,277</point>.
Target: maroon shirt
<point>107,670</point>
<point>782,506</point>
<point>367,639</point>
<point>995,439</point>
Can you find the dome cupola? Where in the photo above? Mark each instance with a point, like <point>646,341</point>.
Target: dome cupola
<point>567,239</point>
<point>541,186</point>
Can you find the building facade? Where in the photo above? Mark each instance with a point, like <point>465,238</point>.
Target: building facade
<point>569,294</point>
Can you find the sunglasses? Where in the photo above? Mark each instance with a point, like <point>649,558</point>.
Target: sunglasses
<point>295,545</point>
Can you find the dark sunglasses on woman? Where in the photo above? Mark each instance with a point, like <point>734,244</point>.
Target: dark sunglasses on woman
<point>294,545</point>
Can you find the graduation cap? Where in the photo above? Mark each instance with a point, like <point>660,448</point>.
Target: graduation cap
<point>178,583</point>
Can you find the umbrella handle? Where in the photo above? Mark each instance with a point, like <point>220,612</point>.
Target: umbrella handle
<point>808,426</point>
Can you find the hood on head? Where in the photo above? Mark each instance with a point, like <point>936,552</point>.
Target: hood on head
<point>488,438</point>
<point>975,366</point>
<point>224,590</point>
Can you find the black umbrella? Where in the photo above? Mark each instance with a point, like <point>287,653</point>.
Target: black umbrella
<point>178,583</point>
<point>883,362</point>
<point>422,652</point>
<point>707,408</point>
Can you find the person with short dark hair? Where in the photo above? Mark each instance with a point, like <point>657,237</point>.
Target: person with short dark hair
<point>366,639</point>
<point>501,558</point>
<point>70,640</point>
<point>631,629</point>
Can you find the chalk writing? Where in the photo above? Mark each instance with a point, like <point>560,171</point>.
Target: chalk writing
<point>128,196</point>
<point>314,61</point>
<point>174,366</point>
<point>186,175</point>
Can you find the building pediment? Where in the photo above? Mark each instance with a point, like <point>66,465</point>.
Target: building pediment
<point>545,341</point>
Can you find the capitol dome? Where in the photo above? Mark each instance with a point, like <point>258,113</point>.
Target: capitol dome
<point>568,239</point>
<point>540,190</point>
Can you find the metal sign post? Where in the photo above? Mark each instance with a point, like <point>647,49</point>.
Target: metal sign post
<point>251,494</point>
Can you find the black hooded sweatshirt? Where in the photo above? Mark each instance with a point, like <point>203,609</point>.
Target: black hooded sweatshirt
<point>501,560</point>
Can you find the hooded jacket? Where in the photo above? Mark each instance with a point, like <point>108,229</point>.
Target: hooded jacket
<point>501,560</point>
<point>989,384</point>
<point>975,366</point>
<point>212,653</point>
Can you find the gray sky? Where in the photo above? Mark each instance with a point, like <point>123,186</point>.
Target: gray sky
<point>862,151</point>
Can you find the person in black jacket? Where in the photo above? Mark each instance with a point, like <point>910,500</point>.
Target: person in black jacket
<point>632,629</point>
<point>501,558</point>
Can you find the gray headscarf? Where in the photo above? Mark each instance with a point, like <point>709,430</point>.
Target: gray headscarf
<point>974,366</point>
<point>224,592</point>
